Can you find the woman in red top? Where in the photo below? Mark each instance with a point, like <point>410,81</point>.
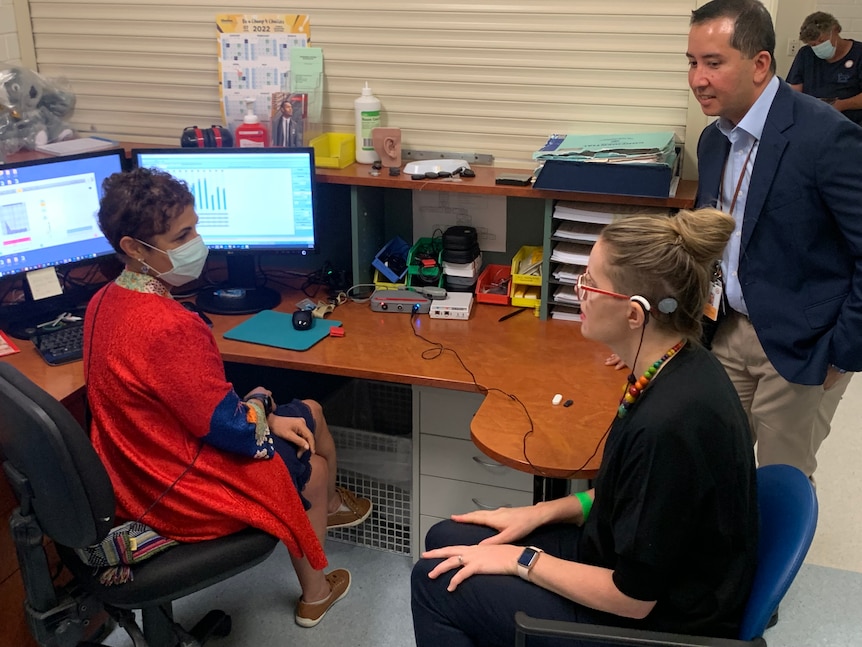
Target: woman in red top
<point>186,455</point>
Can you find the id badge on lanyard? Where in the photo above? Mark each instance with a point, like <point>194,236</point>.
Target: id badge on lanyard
<point>716,289</point>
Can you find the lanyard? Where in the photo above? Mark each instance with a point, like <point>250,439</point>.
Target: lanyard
<point>738,182</point>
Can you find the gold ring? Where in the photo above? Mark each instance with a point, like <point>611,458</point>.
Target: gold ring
<point>460,560</point>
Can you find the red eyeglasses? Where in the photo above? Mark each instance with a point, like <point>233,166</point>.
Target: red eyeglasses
<point>582,289</point>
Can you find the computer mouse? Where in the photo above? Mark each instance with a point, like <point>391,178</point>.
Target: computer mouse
<point>303,319</point>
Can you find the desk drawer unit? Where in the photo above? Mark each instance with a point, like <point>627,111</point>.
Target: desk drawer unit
<point>461,460</point>
<point>452,475</point>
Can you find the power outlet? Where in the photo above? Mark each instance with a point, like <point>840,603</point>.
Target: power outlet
<point>793,46</point>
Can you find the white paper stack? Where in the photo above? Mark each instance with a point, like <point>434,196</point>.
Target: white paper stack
<point>579,231</point>
<point>74,146</point>
<point>566,314</point>
<point>566,294</point>
<point>599,212</point>
<point>572,253</point>
<point>568,274</point>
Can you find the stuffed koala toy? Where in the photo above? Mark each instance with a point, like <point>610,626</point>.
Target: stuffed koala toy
<point>32,110</point>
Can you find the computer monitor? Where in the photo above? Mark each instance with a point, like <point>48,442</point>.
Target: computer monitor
<point>49,217</point>
<point>249,201</point>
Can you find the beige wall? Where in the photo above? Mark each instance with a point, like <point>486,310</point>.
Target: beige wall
<point>9,49</point>
<point>788,15</point>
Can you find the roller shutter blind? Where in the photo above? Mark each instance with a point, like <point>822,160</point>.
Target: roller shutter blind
<point>487,77</point>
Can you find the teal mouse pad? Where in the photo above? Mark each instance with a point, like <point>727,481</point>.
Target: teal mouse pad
<point>271,328</point>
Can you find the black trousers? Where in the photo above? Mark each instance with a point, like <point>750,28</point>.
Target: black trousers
<point>481,611</point>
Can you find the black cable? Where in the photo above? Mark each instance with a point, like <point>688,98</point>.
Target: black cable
<point>438,350</point>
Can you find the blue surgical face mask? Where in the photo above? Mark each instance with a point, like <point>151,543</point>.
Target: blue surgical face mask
<point>188,262</point>
<point>824,50</point>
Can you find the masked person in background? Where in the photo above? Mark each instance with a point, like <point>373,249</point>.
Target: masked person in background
<point>186,455</point>
<point>829,67</point>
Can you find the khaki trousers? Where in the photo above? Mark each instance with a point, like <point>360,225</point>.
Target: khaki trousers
<point>788,421</point>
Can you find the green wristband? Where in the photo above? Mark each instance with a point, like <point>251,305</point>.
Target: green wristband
<point>586,503</point>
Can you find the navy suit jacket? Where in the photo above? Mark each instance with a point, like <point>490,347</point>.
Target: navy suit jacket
<point>800,263</point>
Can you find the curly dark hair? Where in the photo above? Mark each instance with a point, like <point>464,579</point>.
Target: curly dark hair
<point>141,204</point>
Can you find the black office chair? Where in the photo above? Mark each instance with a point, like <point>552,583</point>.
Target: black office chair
<point>788,519</point>
<point>64,493</point>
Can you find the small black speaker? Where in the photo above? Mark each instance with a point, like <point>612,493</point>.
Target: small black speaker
<point>460,238</point>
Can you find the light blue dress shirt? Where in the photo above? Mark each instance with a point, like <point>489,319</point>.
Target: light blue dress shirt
<point>744,139</point>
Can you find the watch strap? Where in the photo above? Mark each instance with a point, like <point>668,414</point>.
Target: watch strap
<point>264,399</point>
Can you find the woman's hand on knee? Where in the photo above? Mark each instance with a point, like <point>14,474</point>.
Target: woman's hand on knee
<point>293,430</point>
<point>511,524</point>
<point>473,560</point>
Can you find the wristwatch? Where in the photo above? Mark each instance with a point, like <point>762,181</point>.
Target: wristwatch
<point>527,560</point>
<point>265,400</point>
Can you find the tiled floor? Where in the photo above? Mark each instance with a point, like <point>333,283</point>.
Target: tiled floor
<point>822,607</point>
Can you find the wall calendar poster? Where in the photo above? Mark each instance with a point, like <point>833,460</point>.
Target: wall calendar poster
<point>254,64</point>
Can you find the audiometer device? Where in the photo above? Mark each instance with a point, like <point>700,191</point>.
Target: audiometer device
<point>399,301</point>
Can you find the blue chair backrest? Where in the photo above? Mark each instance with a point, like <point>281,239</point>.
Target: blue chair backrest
<point>788,518</point>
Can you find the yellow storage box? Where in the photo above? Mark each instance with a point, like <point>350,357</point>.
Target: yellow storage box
<point>334,150</point>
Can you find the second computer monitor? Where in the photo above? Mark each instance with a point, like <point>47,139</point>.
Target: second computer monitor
<point>249,201</point>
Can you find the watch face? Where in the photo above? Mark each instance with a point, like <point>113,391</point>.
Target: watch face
<point>527,557</point>
<point>265,400</point>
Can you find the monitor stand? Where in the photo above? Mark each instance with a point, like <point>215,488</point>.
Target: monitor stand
<point>240,295</point>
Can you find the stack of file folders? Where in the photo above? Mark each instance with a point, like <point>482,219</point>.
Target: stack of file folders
<point>627,164</point>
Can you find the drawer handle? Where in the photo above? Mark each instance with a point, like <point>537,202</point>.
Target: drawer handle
<point>487,463</point>
<point>485,506</point>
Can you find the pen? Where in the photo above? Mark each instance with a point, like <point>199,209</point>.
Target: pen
<point>512,314</point>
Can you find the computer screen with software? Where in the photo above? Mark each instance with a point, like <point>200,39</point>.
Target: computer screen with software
<point>49,210</point>
<point>49,218</point>
<point>249,201</point>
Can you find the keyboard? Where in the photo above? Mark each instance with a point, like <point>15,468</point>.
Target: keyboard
<point>60,345</point>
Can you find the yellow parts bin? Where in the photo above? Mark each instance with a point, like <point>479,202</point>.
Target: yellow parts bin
<point>526,286</point>
<point>334,150</point>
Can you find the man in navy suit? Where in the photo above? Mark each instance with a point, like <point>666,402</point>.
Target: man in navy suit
<point>287,128</point>
<point>788,168</point>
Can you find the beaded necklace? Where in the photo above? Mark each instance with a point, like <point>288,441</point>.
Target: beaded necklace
<point>633,389</point>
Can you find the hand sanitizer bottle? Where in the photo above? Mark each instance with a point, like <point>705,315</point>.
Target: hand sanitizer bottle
<point>251,132</point>
<point>367,109</point>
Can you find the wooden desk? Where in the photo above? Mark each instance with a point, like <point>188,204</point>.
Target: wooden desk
<point>522,356</point>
